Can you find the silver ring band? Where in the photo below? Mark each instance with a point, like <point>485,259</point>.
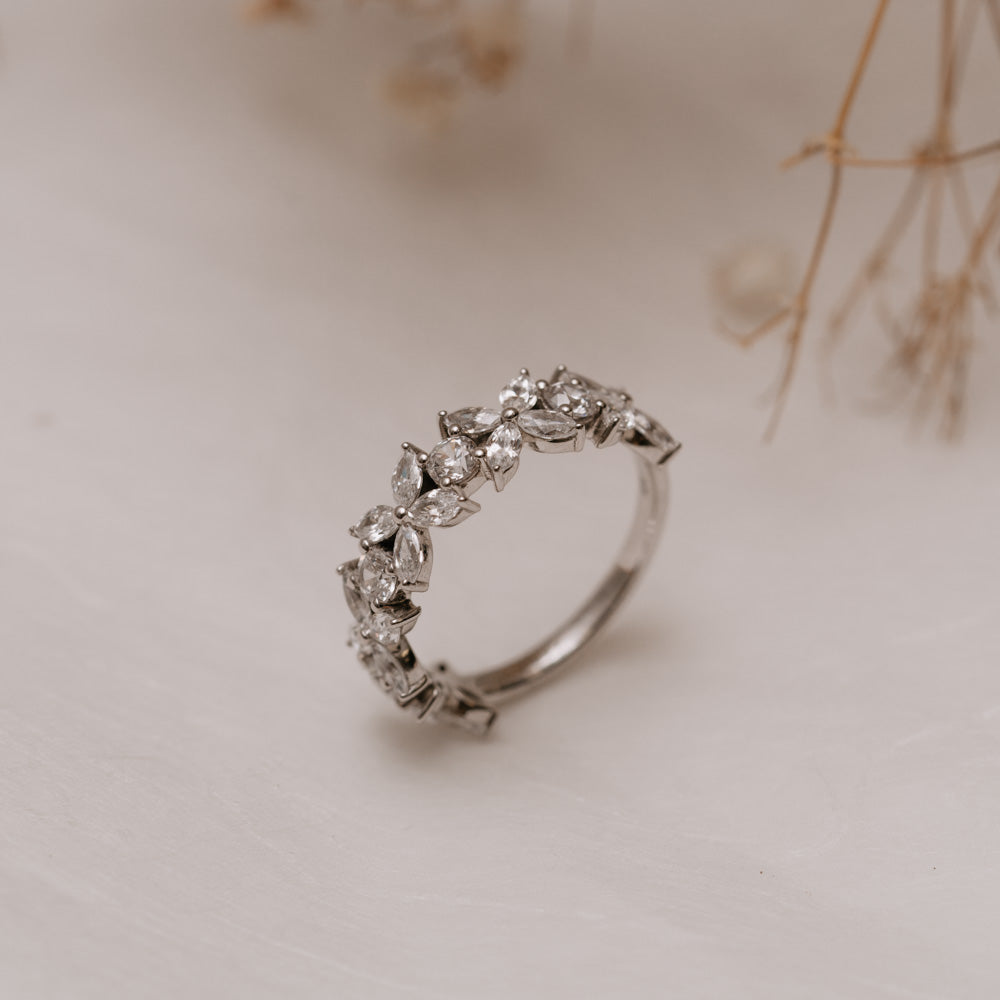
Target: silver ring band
<point>433,490</point>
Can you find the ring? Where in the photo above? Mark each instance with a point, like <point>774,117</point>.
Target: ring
<point>433,489</point>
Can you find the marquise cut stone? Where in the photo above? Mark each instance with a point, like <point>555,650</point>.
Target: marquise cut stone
<point>503,448</point>
<point>653,431</point>
<point>407,479</point>
<point>391,675</point>
<point>580,401</point>
<point>376,526</point>
<point>437,509</point>
<point>385,670</point>
<point>453,460</point>
<point>549,425</point>
<point>473,421</point>
<point>353,596</point>
<point>378,576</point>
<point>409,554</point>
<point>520,393</point>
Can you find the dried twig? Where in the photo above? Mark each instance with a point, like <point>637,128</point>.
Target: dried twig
<point>832,144</point>
<point>932,335</point>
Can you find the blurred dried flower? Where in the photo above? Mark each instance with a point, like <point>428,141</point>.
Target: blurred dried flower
<point>428,95</point>
<point>932,332</point>
<point>261,9</point>
<point>489,40</point>
<point>476,45</point>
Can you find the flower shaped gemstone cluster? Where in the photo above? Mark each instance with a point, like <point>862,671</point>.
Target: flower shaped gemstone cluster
<point>433,489</point>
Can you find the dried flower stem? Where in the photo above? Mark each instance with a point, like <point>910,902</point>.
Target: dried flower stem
<point>933,335</point>
<point>796,312</point>
<point>927,159</point>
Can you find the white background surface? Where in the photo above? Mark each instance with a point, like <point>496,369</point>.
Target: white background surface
<point>222,258</point>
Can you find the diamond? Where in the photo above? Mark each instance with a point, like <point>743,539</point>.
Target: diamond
<point>639,420</point>
<point>376,526</point>
<point>391,674</point>
<point>361,646</point>
<point>383,629</point>
<point>407,479</point>
<point>410,554</point>
<point>655,433</point>
<point>549,425</point>
<point>503,448</point>
<point>520,393</point>
<point>622,401</point>
<point>612,398</point>
<point>565,376</point>
<point>352,594</point>
<point>437,509</point>
<point>378,577</point>
<point>453,460</point>
<point>473,421</point>
<point>580,401</point>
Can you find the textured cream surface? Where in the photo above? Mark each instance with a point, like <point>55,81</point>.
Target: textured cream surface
<point>232,284</point>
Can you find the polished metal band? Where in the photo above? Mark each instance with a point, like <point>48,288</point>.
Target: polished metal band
<point>433,490</point>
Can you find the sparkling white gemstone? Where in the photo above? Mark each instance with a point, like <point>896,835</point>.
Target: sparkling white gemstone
<point>409,554</point>
<point>352,594</point>
<point>390,672</point>
<point>473,421</point>
<point>437,509</point>
<point>407,478</point>
<point>453,460</point>
<point>383,628</point>
<point>503,448</point>
<point>655,433</point>
<point>580,401</point>
<point>520,393</point>
<point>357,642</point>
<point>376,526</point>
<point>378,576</point>
<point>549,425</point>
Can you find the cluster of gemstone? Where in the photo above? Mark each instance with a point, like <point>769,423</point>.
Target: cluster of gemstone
<point>433,490</point>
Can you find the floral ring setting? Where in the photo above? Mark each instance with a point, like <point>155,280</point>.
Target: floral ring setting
<point>433,490</point>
